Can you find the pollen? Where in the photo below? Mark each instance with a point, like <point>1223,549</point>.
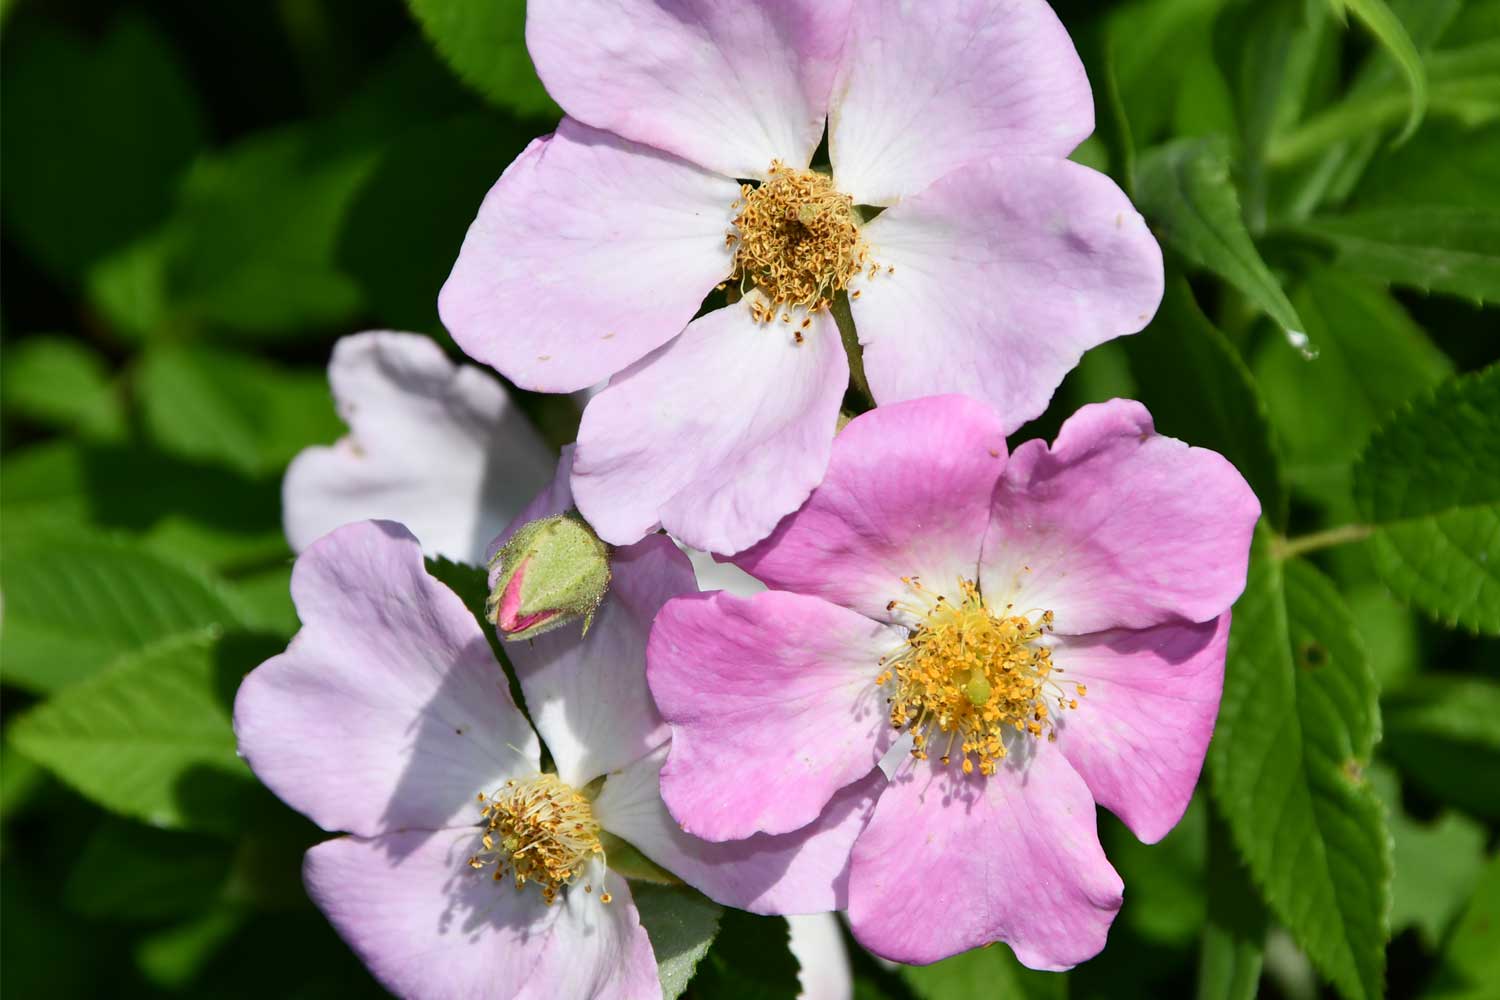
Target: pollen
<point>797,239</point>
<point>969,677</point>
<point>539,830</point>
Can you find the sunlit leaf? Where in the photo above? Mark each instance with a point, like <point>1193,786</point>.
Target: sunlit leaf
<point>1296,727</point>
<point>1429,482</point>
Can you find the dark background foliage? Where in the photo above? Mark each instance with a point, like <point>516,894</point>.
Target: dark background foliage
<point>199,198</point>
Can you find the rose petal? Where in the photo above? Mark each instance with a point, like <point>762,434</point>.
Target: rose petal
<point>716,436</point>
<point>587,693</point>
<point>589,252</point>
<point>926,88</point>
<point>1139,735</point>
<point>907,494</point>
<point>728,85</point>
<point>951,862</point>
<point>434,445</point>
<point>806,871</point>
<point>1118,527</point>
<point>1005,272</point>
<point>781,681</point>
<point>427,925</point>
<point>388,710</point>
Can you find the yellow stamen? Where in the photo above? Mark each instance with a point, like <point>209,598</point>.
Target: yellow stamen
<point>798,241</point>
<point>972,674</point>
<point>541,831</point>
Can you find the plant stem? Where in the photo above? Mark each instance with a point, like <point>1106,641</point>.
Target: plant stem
<point>1288,548</point>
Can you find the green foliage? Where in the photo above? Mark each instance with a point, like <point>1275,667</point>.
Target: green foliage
<point>1471,963</point>
<point>1184,187</point>
<point>61,383</point>
<point>73,604</point>
<point>485,42</point>
<point>1429,483</point>
<point>749,959</point>
<point>1445,732</point>
<point>149,736</point>
<point>1297,725</point>
<point>983,972</point>
<point>1371,359</point>
<point>233,409</point>
<point>1200,391</point>
<point>94,163</point>
<point>682,924</point>
<point>194,206</point>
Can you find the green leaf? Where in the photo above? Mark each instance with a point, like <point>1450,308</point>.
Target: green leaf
<point>1199,390</point>
<point>73,604</point>
<point>1185,189</point>
<point>265,600</point>
<point>220,406</point>
<point>129,872</point>
<point>252,243</point>
<point>60,382</point>
<point>750,959</point>
<point>1296,727</point>
<point>1147,37</point>
<point>1443,164</point>
<point>1470,966</point>
<point>1444,731</point>
<point>1371,359</point>
<point>1437,864</point>
<point>1165,878</point>
<point>1391,34</point>
<point>1429,482</point>
<point>485,43</point>
<point>681,924</point>
<point>1435,248</point>
<point>991,971</point>
<point>225,519</point>
<point>173,957</point>
<point>1234,933</point>
<point>150,736</point>
<point>96,134</point>
<point>1389,630</point>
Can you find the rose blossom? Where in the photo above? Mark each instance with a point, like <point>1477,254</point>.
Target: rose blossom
<point>436,446</point>
<point>1040,634</point>
<point>389,718</point>
<point>684,163</point>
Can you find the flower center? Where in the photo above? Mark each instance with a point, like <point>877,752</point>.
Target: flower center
<point>973,676</point>
<point>798,240</point>
<point>541,831</point>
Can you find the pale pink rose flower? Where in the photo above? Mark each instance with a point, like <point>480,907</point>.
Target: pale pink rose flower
<point>1022,637</point>
<point>994,263</point>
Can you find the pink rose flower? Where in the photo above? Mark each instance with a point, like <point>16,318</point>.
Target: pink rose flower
<point>1023,638</point>
<point>388,718</point>
<point>684,164</point>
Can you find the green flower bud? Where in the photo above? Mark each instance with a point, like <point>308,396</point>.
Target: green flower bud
<point>553,571</point>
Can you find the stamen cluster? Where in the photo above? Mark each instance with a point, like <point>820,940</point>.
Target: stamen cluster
<point>541,831</point>
<point>798,240</point>
<point>975,675</point>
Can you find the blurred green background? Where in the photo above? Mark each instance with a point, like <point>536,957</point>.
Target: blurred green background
<point>199,198</point>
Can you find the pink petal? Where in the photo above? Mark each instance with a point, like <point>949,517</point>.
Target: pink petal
<point>951,862</point>
<point>926,88</point>
<point>1117,526</point>
<point>589,252</point>
<point>728,85</point>
<point>806,871</point>
<point>1005,273</point>
<point>778,683</point>
<point>388,710</point>
<point>907,494</point>
<point>1138,736</point>
<point>717,436</point>
<point>427,925</point>
<point>555,498</point>
<point>587,694</point>
<point>436,446</point>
